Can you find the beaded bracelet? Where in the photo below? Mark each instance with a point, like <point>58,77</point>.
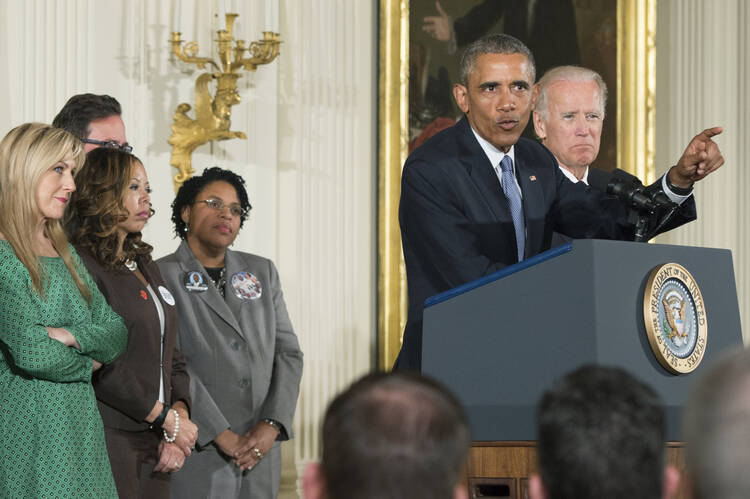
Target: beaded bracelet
<point>176,428</point>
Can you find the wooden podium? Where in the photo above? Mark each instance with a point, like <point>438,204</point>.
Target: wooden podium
<point>501,469</point>
<point>500,341</point>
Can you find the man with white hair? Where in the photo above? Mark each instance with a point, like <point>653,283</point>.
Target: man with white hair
<point>569,116</point>
<point>716,427</point>
<point>568,119</point>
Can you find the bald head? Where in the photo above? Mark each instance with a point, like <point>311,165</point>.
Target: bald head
<point>396,435</point>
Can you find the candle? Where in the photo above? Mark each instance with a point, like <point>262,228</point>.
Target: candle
<point>176,15</point>
<point>275,16</point>
<point>222,15</point>
<point>268,26</point>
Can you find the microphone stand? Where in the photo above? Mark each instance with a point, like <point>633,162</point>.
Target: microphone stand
<point>641,225</point>
<point>643,219</point>
<point>666,218</point>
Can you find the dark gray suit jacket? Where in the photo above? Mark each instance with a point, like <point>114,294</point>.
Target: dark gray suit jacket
<point>243,357</point>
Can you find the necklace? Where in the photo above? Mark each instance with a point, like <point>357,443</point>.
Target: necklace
<point>221,281</point>
<point>131,265</point>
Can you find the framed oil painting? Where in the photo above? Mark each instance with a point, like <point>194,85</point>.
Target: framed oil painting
<point>421,42</point>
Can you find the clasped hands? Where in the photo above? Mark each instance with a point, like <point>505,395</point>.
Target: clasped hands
<point>172,455</point>
<point>248,449</point>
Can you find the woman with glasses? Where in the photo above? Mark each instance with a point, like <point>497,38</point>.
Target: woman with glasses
<point>55,328</point>
<point>143,396</point>
<point>242,354</point>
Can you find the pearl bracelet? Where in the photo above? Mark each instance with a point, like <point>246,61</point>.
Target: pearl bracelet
<point>176,428</point>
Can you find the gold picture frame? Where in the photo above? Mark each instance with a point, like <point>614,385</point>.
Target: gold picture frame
<point>636,84</point>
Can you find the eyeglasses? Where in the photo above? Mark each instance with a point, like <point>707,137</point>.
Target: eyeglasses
<point>217,204</point>
<point>109,144</point>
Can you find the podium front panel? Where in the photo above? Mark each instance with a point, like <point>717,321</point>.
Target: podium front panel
<point>500,345</point>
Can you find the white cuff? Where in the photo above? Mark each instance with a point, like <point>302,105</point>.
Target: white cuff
<point>675,198</point>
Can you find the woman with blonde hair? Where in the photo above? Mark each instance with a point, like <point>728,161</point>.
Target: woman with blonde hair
<point>55,328</point>
<point>144,396</point>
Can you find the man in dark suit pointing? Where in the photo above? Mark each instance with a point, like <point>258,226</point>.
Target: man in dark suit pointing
<point>476,197</point>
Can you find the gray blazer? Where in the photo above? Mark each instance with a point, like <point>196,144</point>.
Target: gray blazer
<point>243,357</point>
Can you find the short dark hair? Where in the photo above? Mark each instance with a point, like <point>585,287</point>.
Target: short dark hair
<point>80,110</point>
<point>493,44</point>
<point>194,185</point>
<point>601,434</point>
<point>395,435</point>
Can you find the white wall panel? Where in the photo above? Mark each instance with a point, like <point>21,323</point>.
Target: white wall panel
<point>703,53</point>
<point>309,159</point>
<point>327,179</point>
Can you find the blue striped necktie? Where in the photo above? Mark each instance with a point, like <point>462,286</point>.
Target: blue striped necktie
<point>513,194</point>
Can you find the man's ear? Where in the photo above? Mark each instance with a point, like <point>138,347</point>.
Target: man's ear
<point>461,94</point>
<point>539,125</point>
<point>537,490</point>
<point>670,482</point>
<point>534,95</point>
<point>313,482</point>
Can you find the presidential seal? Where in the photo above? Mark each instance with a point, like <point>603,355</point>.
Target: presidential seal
<point>675,318</point>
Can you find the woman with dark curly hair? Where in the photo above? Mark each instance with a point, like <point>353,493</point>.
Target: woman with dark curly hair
<point>143,396</point>
<point>243,356</point>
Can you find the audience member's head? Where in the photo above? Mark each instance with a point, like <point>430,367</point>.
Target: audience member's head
<point>394,435</point>
<point>569,115</point>
<point>601,434</point>
<point>716,428</point>
<point>95,119</point>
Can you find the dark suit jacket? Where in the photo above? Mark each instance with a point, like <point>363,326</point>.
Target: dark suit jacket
<point>127,389</point>
<point>456,225</point>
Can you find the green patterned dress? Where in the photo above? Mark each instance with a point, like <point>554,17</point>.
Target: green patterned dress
<point>51,434</point>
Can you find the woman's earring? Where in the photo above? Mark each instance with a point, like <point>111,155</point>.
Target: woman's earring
<point>185,229</point>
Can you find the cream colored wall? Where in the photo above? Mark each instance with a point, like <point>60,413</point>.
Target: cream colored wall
<point>309,160</point>
<point>703,80</point>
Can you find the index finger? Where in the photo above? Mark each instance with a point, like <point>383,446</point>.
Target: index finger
<point>712,132</point>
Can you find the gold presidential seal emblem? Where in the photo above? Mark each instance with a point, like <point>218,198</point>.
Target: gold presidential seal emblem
<point>675,318</point>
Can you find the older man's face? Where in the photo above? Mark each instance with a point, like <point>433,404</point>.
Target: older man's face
<point>572,129</point>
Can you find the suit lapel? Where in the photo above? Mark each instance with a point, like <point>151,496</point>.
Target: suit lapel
<point>211,296</point>
<point>482,173</point>
<point>532,200</point>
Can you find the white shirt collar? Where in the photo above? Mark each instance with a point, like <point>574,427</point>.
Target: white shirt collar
<point>573,178</point>
<point>494,154</point>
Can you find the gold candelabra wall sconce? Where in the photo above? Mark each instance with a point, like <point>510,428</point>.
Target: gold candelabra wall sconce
<point>213,113</point>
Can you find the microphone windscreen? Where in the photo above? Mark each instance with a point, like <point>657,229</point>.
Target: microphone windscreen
<point>621,176</point>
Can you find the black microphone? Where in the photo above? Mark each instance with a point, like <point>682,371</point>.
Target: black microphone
<point>628,188</point>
